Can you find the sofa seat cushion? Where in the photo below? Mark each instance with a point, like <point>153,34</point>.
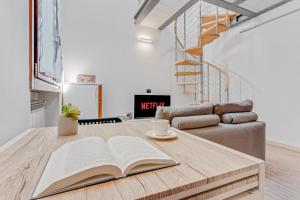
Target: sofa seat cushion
<point>248,138</point>
<point>198,121</point>
<point>170,112</point>
<point>237,118</point>
<point>242,106</point>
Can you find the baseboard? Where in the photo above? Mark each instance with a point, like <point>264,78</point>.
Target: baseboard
<point>284,146</point>
<point>14,140</point>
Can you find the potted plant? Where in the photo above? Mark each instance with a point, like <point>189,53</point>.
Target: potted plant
<point>68,120</point>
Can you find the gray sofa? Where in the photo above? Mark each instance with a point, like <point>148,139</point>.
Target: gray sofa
<point>241,130</point>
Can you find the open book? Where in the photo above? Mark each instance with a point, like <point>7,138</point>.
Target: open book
<point>92,160</point>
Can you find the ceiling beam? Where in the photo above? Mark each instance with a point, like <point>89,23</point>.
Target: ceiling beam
<point>231,7</point>
<point>178,13</point>
<point>238,2</point>
<point>144,10</point>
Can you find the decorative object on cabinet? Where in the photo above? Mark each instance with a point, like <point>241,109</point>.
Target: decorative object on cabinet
<point>86,78</point>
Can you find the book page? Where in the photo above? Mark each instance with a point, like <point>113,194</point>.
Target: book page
<point>76,161</point>
<point>87,152</point>
<point>134,151</point>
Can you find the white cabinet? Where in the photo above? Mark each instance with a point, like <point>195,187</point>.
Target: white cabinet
<point>87,97</point>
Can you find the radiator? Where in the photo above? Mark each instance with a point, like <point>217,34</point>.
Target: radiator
<point>37,114</point>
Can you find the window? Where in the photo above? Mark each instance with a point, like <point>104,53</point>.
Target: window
<point>47,41</point>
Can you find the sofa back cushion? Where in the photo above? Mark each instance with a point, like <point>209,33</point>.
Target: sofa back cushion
<point>198,121</point>
<point>237,118</point>
<point>242,106</point>
<point>170,112</point>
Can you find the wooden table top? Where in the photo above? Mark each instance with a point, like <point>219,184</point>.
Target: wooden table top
<point>204,166</point>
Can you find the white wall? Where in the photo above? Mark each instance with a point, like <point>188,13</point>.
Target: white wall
<point>14,86</point>
<point>268,57</point>
<point>99,37</point>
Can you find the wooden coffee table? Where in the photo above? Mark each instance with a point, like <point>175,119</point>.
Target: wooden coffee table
<point>207,170</point>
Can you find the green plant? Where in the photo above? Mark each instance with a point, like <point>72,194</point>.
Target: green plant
<point>70,111</point>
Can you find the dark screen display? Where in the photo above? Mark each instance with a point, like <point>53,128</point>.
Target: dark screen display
<point>145,105</point>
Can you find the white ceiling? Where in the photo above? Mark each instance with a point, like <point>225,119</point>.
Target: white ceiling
<point>256,5</point>
<point>162,12</point>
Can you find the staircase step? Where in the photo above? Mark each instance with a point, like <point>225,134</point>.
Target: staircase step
<point>207,38</point>
<point>191,73</point>
<point>213,29</point>
<point>188,83</point>
<point>210,17</point>
<point>213,23</point>
<point>195,51</point>
<point>188,62</point>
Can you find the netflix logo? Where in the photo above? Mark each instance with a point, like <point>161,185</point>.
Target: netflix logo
<point>145,105</point>
<point>151,105</point>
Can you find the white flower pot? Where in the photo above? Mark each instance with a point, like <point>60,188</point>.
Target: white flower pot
<point>67,126</point>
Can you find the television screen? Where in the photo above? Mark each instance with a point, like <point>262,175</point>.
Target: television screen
<point>145,105</point>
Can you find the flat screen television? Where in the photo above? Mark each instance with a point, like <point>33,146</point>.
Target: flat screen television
<point>145,105</point>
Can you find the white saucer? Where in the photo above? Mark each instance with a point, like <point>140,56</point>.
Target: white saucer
<point>153,135</point>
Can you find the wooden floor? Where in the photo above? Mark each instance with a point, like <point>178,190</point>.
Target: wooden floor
<point>282,174</point>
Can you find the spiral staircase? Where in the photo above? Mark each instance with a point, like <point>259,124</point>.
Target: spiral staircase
<point>194,29</point>
<point>197,23</point>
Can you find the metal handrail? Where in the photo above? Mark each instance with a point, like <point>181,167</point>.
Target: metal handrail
<point>222,70</point>
<point>176,35</point>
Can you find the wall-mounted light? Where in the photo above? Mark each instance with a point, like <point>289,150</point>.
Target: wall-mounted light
<point>146,34</point>
<point>145,39</point>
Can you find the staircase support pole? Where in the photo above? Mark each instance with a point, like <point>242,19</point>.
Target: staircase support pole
<point>220,87</point>
<point>208,92</point>
<point>184,42</point>
<point>176,52</point>
<point>201,58</point>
